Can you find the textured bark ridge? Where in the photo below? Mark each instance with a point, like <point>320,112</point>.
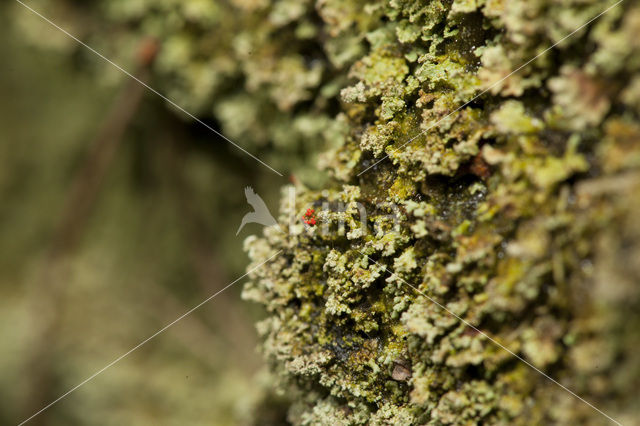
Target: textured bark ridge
<point>517,213</point>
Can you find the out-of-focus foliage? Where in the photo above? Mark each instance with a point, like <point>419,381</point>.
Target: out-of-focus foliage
<point>258,67</point>
<point>140,262</point>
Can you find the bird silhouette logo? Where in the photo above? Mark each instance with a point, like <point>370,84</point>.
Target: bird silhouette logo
<point>260,213</point>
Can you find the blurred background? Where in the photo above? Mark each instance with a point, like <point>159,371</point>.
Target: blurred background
<point>117,215</point>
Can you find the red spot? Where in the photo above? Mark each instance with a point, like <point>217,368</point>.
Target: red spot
<point>309,218</point>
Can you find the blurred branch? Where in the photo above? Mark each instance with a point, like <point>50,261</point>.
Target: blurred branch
<point>88,180</point>
<point>49,300</point>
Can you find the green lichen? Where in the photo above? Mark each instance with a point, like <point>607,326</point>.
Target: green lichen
<point>514,211</point>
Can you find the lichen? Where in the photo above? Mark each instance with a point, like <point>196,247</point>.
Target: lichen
<point>513,212</point>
